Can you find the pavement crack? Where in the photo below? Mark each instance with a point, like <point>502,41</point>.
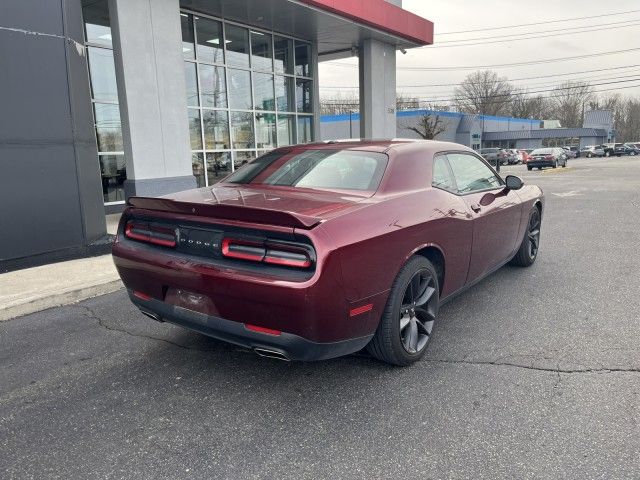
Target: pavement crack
<point>556,370</point>
<point>90,313</point>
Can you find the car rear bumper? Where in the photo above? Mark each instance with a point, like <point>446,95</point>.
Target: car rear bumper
<point>285,346</point>
<point>539,163</point>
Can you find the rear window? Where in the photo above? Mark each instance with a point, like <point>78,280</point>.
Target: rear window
<point>319,169</point>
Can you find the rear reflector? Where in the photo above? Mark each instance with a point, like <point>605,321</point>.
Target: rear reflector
<point>145,232</point>
<point>361,310</point>
<point>141,296</point>
<point>266,331</point>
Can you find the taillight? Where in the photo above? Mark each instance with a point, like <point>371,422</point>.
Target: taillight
<point>273,252</point>
<point>149,233</point>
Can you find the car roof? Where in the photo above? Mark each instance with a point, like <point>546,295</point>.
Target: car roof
<point>398,145</point>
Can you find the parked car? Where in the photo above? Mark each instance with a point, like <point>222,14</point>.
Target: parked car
<point>493,155</point>
<point>514,157</point>
<point>316,251</point>
<point>547,157</point>
<point>572,152</point>
<point>525,155</point>
<point>592,151</point>
<point>568,152</point>
<point>609,149</point>
<point>633,149</point>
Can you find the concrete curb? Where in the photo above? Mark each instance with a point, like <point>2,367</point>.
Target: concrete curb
<point>58,299</point>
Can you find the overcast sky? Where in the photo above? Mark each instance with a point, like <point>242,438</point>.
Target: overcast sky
<point>458,15</point>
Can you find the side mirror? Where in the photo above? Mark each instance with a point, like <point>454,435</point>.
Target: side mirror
<point>513,182</point>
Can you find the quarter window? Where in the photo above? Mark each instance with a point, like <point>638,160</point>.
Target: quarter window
<point>442,175</point>
<point>472,174</point>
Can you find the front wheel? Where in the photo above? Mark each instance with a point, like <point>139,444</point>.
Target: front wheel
<point>529,168</point>
<point>407,321</point>
<point>528,251</point>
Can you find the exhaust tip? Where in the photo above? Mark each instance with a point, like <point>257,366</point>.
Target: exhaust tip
<point>265,352</point>
<point>153,316</point>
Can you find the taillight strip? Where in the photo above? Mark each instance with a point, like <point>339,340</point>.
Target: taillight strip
<point>155,235</point>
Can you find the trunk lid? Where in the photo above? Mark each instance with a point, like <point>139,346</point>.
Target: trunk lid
<point>284,206</point>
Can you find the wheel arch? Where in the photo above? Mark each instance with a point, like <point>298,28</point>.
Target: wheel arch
<point>434,254</point>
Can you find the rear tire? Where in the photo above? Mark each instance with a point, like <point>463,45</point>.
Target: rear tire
<point>405,327</point>
<point>528,251</point>
<point>529,168</point>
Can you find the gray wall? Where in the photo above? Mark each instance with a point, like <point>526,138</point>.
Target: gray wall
<point>50,190</point>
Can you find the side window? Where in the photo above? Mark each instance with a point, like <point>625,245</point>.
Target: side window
<point>442,174</point>
<point>471,174</point>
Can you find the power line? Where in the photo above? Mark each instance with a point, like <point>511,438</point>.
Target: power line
<point>335,87</point>
<point>510,95</point>
<point>504,65</point>
<point>539,23</point>
<point>537,37</point>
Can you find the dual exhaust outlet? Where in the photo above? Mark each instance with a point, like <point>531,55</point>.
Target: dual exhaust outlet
<point>263,352</point>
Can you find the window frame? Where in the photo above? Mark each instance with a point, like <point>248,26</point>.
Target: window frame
<point>471,154</point>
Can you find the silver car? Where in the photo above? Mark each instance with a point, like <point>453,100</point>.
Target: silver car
<point>592,151</point>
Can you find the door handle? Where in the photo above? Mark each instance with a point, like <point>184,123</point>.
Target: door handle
<point>475,207</point>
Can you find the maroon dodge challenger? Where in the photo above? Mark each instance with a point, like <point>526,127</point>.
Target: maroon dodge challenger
<point>316,251</point>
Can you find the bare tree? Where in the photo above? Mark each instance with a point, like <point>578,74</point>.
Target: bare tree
<point>429,126</point>
<point>525,106</point>
<point>627,120</point>
<point>568,102</point>
<point>484,92</point>
<point>406,102</point>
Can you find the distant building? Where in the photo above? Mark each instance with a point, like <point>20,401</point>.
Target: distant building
<point>481,131</point>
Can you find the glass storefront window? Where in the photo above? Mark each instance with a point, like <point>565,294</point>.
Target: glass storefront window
<point>261,54</point>
<point>216,129</point>
<point>192,84</point>
<point>303,59</point>
<point>286,130</point>
<point>186,24</point>
<point>266,130</point>
<point>240,90</point>
<point>263,91</point>
<point>305,129</point>
<point>218,166</point>
<point>242,130</point>
<point>210,41</point>
<point>304,92</point>
<point>97,27</point>
<point>214,86</point>
<point>113,171</point>
<point>242,158</point>
<point>283,54</point>
<point>103,74</point>
<point>237,42</point>
<point>108,127</point>
<point>236,82</point>
<point>195,130</point>
<point>284,94</point>
<point>197,164</point>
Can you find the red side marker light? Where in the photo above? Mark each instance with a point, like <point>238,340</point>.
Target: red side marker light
<point>361,310</point>
<point>266,331</point>
<point>141,296</point>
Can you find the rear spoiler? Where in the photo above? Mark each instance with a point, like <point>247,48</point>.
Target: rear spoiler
<point>227,212</point>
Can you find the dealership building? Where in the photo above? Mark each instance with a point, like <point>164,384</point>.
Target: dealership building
<point>105,99</point>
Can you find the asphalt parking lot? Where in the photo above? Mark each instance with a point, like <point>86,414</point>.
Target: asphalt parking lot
<point>533,373</point>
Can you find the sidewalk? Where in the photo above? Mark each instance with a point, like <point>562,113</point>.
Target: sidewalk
<point>34,289</point>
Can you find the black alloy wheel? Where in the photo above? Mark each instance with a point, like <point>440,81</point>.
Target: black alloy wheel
<point>417,314</point>
<point>528,251</point>
<point>406,323</point>
<point>533,234</point>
